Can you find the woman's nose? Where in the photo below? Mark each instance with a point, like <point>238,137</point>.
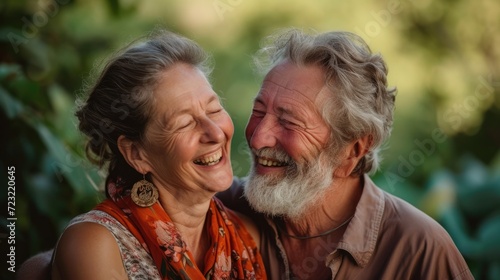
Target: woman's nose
<point>211,132</point>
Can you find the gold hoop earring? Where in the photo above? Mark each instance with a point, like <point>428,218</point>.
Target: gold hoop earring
<point>144,193</point>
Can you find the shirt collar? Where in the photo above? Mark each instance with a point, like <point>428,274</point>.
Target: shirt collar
<point>360,236</point>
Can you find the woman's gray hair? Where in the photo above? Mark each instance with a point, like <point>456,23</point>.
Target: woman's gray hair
<point>121,99</point>
<point>361,103</point>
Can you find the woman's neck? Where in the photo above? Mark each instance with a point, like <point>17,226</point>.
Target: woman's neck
<point>188,214</point>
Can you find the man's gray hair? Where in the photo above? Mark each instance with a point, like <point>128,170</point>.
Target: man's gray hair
<point>361,104</point>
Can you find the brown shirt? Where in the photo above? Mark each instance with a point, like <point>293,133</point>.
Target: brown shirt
<point>386,239</point>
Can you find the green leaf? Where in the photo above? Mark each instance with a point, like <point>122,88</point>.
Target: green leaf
<point>494,270</point>
<point>114,6</point>
<point>39,57</point>
<point>440,195</point>
<point>9,70</point>
<point>63,118</point>
<point>24,90</point>
<point>184,275</point>
<point>474,173</point>
<point>455,224</point>
<point>11,106</point>
<point>187,259</point>
<point>69,165</point>
<point>46,194</point>
<point>481,200</point>
<point>488,234</point>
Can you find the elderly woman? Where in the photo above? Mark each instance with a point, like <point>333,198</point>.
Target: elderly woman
<point>153,119</point>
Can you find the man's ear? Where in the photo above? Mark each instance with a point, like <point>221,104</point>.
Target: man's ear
<point>353,153</point>
<point>133,154</point>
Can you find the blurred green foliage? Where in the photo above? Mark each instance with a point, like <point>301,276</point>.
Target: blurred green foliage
<point>443,156</point>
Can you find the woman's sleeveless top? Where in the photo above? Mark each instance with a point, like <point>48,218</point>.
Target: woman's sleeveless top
<point>136,260</point>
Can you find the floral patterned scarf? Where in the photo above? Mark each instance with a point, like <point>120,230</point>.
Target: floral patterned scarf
<point>233,254</point>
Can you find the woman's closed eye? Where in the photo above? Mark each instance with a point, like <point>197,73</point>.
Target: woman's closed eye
<point>184,123</point>
<point>215,111</point>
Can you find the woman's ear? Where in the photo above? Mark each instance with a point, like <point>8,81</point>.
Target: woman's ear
<point>354,152</point>
<point>133,154</point>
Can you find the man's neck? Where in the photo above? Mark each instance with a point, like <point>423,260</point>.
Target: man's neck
<point>336,206</point>
<point>320,229</point>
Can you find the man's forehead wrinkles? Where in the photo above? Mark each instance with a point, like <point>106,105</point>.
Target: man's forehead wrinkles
<point>292,89</point>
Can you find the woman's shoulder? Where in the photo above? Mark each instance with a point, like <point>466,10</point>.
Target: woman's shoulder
<point>99,228</point>
<point>87,250</point>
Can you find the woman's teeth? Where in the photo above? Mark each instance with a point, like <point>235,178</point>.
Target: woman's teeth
<point>209,160</point>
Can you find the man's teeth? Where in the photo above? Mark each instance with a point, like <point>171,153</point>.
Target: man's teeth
<point>270,162</point>
<point>209,160</point>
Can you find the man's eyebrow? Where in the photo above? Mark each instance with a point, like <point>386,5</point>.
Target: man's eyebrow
<point>258,100</point>
<point>283,110</point>
<point>280,109</point>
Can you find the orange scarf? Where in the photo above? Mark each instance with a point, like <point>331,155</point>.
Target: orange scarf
<point>233,254</point>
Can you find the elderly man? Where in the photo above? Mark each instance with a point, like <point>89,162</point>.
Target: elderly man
<point>316,127</point>
<point>317,124</point>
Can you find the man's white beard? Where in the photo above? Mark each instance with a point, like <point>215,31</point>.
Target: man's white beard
<point>294,193</point>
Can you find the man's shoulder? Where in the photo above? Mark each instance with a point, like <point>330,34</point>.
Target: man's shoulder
<point>399,216</point>
<point>413,237</point>
<point>415,230</point>
<point>400,213</point>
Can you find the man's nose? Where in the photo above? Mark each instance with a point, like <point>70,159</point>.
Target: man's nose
<point>265,133</point>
